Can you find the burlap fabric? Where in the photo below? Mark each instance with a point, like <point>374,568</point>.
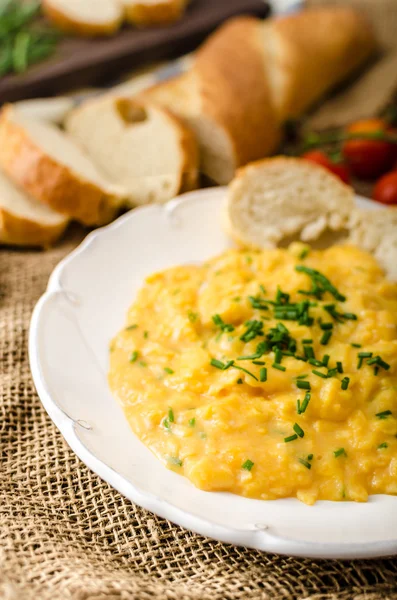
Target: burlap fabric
<point>66,534</point>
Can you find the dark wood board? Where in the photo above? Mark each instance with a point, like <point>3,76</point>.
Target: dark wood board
<point>82,62</point>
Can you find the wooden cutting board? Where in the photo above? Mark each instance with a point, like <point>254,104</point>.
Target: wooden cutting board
<point>81,62</point>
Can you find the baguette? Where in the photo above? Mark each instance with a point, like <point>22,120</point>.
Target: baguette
<point>48,165</point>
<point>249,77</point>
<point>153,12</point>
<point>85,17</point>
<point>26,222</point>
<point>144,148</point>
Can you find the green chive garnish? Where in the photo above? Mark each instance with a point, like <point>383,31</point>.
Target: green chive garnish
<point>174,460</point>
<point>302,407</point>
<point>146,335</point>
<point>263,374</point>
<point>134,356</point>
<point>291,438</point>
<point>325,360</point>
<point>326,326</point>
<point>171,417</point>
<point>192,422</point>
<point>326,337</point>
<point>305,463</point>
<point>303,385</point>
<point>218,364</point>
<point>245,371</point>
<point>131,327</point>
<point>279,367</point>
<point>384,414</point>
<point>240,381</point>
<point>307,341</point>
<point>345,383</point>
<point>321,282</point>
<point>224,327</point>
<point>379,362</point>
<point>247,465</point>
<point>298,430</point>
<point>315,363</point>
<point>302,376</point>
<point>169,371</point>
<point>304,254</point>
<point>356,345</point>
<point>192,316</point>
<point>258,362</point>
<point>339,366</point>
<point>143,363</point>
<point>332,372</point>
<point>365,354</point>
<point>319,374</point>
<point>384,445</point>
<point>340,452</point>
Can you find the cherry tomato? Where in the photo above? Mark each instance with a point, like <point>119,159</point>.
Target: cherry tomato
<point>319,157</point>
<point>368,159</point>
<point>385,190</point>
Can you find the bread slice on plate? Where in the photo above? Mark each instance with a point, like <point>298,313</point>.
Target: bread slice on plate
<point>153,12</point>
<point>142,147</point>
<point>26,222</point>
<point>85,17</point>
<point>278,200</point>
<point>47,164</point>
<point>53,110</point>
<point>376,232</point>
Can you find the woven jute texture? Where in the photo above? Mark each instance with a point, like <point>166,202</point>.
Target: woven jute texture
<point>65,534</point>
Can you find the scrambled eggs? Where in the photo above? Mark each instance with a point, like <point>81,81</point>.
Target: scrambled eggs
<point>267,374</point>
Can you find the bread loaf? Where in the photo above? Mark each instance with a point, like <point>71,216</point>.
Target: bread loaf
<point>250,76</point>
<point>85,17</point>
<point>153,12</point>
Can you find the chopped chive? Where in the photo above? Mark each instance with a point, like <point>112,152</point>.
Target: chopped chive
<point>143,363</point>
<point>350,316</point>
<point>345,383</point>
<point>302,376</point>
<point>325,360</point>
<point>146,335</point>
<point>356,345</point>
<point>237,299</point>
<point>319,374</point>
<point>310,457</point>
<point>304,253</point>
<point>171,417</point>
<point>218,364</point>
<point>376,371</point>
<point>245,371</point>
<point>360,363</point>
<point>379,362</point>
<point>365,354</point>
<point>174,460</point>
<point>257,303</point>
<point>307,341</point>
<point>339,366</point>
<point>169,371</point>
<point>134,356</point>
<point>326,337</point>
<point>240,381</point>
<point>224,327</point>
<point>258,362</point>
<point>315,363</point>
<point>192,422</point>
<point>248,260</point>
<point>263,374</point>
<point>262,289</point>
<point>326,326</point>
<point>291,438</point>
<point>298,430</point>
<point>303,385</point>
<point>279,367</point>
<point>332,372</point>
<point>384,414</point>
<point>384,445</point>
<point>308,351</point>
<point>131,327</point>
<point>305,463</point>
<point>340,452</point>
<point>321,281</point>
<point>302,407</point>
<point>247,465</point>
<point>298,407</point>
<point>278,356</point>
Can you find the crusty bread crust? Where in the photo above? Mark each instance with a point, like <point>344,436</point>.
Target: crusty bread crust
<point>18,231</point>
<point>312,50</point>
<point>76,27</point>
<point>161,12</point>
<point>234,89</point>
<point>191,158</point>
<point>48,181</point>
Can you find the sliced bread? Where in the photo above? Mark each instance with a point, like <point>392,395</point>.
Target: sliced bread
<point>226,100</point>
<point>85,17</point>
<point>47,164</point>
<point>53,110</point>
<point>142,147</point>
<point>277,200</point>
<point>376,232</point>
<point>26,222</point>
<point>153,12</point>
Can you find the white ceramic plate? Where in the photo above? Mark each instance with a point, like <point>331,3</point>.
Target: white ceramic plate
<point>85,304</point>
